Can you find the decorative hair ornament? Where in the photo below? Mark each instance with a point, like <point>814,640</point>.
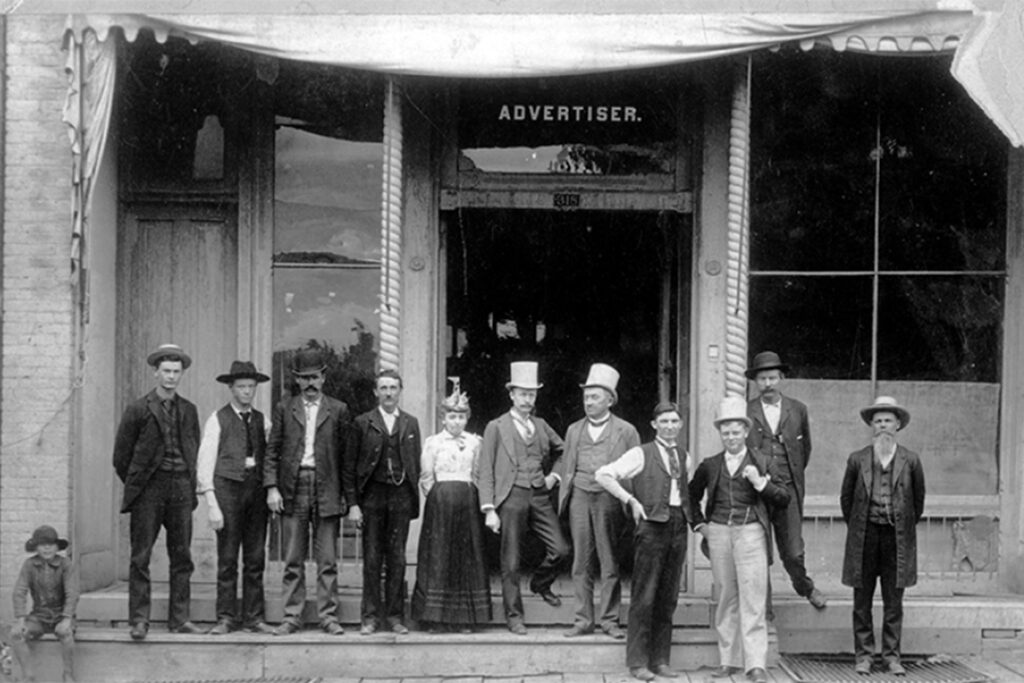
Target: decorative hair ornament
<point>457,401</point>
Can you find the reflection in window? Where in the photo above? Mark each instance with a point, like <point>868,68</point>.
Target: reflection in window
<point>327,227</point>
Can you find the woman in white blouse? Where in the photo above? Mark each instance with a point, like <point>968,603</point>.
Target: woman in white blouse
<point>452,587</point>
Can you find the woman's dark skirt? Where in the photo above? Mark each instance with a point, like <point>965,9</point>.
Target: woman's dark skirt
<point>452,587</point>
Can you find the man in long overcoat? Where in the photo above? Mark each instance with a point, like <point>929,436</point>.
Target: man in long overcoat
<point>882,500</point>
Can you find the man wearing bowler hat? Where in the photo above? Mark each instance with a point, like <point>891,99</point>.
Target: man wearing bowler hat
<point>155,457</point>
<point>780,430</point>
<point>302,477</point>
<point>515,476</point>
<point>882,499</point>
<point>595,515</point>
<point>230,475</point>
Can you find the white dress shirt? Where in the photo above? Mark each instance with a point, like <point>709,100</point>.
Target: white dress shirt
<point>631,464</point>
<point>209,446</point>
<point>308,450</point>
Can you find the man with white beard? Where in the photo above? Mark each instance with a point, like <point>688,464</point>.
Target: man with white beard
<point>882,499</point>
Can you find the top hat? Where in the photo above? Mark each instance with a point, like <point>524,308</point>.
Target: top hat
<point>732,408</point>
<point>43,535</point>
<point>886,404</point>
<point>242,369</point>
<point>165,350</point>
<point>523,375</point>
<point>308,362</point>
<point>604,376</point>
<point>766,360</point>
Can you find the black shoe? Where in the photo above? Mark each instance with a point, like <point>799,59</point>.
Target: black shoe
<point>547,596</point>
<point>894,668</point>
<point>517,627</point>
<point>222,627</point>
<point>725,671</point>
<point>641,673</point>
<point>577,630</point>
<point>333,628</point>
<point>758,675</point>
<point>139,630</point>
<point>818,599</point>
<point>188,627</point>
<point>399,628</point>
<point>286,628</point>
<point>613,631</point>
<point>665,671</point>
<point>259,627</point>
<point>863,667</point>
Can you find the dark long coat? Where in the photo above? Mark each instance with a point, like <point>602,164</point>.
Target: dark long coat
<point>794,433</point>
<point>287,442</point>
<point>907,504</point>
<point>139,444</point>
<point>366,445</point>
<point>706,479</point>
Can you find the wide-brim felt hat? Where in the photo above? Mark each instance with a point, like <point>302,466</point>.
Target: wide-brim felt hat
<point>308,362</point>
<point>886,404</point>
<point>43,535</point>
<point>730,409</point>
<point>523,375</point>
<point>165,350</point>
<point>242,369</point>
<point>604,376</point>
<point>766,360</point>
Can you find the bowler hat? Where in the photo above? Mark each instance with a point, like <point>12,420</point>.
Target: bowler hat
<point>43,535</point>
<point>308,362</point>
<point>604,376</point>
<point>165,350</point>
<point>766,360</point>
<point>730,409</point>
<point>523,375</point>
<point>242,369</point>
<point>886,404</point>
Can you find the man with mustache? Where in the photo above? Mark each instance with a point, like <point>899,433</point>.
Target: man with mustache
<point>882,500</point>
<point>780,430</point>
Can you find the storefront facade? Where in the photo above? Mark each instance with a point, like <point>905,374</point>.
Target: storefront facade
<point>854,210</point>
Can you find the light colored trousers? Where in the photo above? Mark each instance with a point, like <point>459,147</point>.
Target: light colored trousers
<point>739,565</point>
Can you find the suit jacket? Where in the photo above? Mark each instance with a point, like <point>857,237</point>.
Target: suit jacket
<point>622,436</point>
<point>287,442</point>
<point>794,433</point>
<point>907,508</point>
<point>139,444</point>
<point>366,445</point>
<point>497,472</point>
<point>706,479</point>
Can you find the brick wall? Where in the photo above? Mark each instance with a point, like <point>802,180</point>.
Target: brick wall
<point>35,458</point>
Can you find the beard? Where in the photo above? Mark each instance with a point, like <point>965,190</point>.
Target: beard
<point>884,444</point>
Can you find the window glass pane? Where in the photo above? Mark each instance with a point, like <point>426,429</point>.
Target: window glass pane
<point>820,325</point>
<point>564,126</point>
<point>939,328</point>
<point>812,174</point>
<point>943,177</point>
<point>335,309</point>
<point>327,197</point>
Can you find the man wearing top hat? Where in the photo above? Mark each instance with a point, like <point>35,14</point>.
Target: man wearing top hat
<point>230,476</point>
<point>155,457</point>
<point>781,431</point>
<point>381,479</point>
<point>659,504</point>
<point>515,476</point>
<point>302,478</point>
<point>595,516</point>
<point>882,499</point>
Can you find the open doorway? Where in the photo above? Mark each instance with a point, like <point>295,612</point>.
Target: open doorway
<point>567,289</point>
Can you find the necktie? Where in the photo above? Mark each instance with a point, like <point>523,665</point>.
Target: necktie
<point>247,419</point>
<point>673,461</point>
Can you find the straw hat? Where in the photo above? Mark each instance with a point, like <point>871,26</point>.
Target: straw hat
<point>886,404</point>
<point>165,350</point>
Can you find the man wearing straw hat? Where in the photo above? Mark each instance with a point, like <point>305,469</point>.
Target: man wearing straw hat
<point>515,476</point>
<point>595,516</point>
<point>155,457</point>
<point>882,499</point>
<point>230,475</point>
<point>781,431</point>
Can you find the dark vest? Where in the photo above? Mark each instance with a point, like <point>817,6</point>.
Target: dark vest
<point>233,447</point>
<point>653,485</point>
<point>880,507</point>
<point>735,500</point>
<point>389,468</point>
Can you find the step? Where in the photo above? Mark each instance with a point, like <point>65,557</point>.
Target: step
<point>104,654</point>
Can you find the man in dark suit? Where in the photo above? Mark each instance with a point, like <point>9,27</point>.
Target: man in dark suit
<point>381,478</point>
<point>230,474</point>
<point>302,477</point>
<point>155,457</point>
<point>882,500</point>
<point>780,430</point>
<point>660,506</point>
<point>595,516</point>
<point>515,477</point>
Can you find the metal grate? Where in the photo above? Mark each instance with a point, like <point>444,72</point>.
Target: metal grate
<point>839,669</point>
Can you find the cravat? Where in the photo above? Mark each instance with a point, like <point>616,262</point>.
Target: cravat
<point>246,418</point>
